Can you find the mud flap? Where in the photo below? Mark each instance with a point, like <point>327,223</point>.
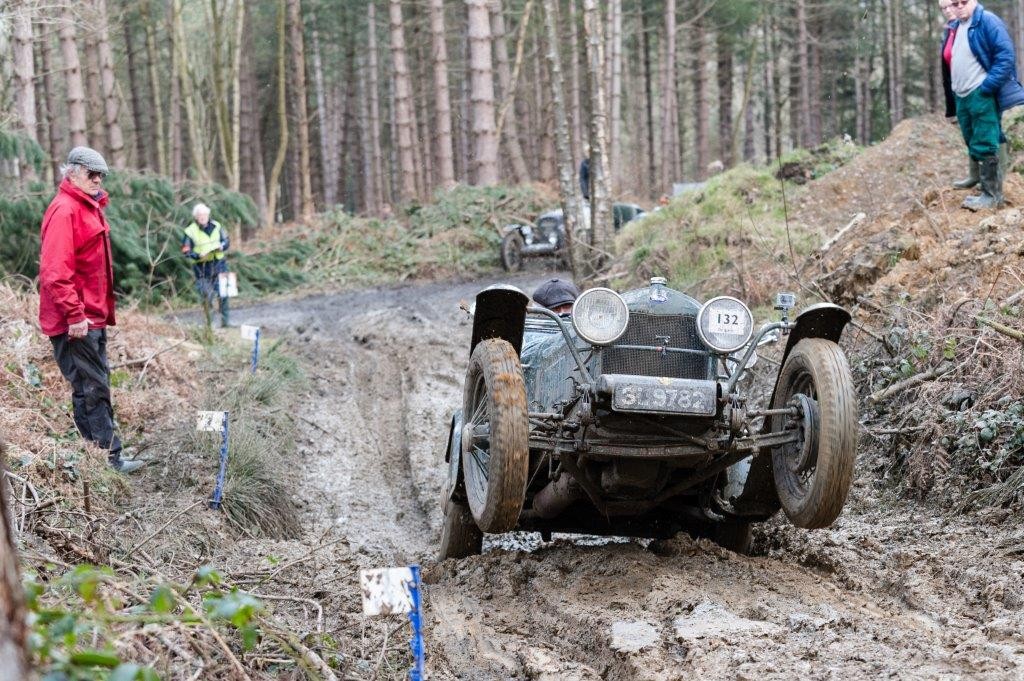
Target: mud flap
<point>454,486</point>
<point>747,488</point>
<point>500,312</point>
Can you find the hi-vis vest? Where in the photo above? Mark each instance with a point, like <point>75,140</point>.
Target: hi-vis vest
<point>203,244</point>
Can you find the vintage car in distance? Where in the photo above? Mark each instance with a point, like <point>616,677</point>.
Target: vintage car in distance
<point>631,418</point>
<point>547,235</point>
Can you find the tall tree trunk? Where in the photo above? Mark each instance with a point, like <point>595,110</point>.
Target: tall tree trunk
<point>235,73</point>
<point>13,626</point>
<point>571,204</point>
<point>669,117</point>
<point>509,127</point>
<point>328,152</point>
<point>371,197</point>
<point>651,154</point>
<point>55,131</point>
<point>301,112</point>
<point>251,176</point>
<point>24,87</point>
<point>575,87</point>
<point>196,142</point>
<point>768,85</point>
<point>377,155</point>
<point>442,98</point>
<point>93,85</point>
<point>614,60</point>
<point>72,77</point>
<point>174,132</point>
<point>403,112</point>
<point>221,99</point>
<point>701,102</point>
<point>156,97</point>
<point>141,120</point>
<point>725,85</point>
<point>803,75</point>
<point>111,103</point>
<point>282,117</point>
<point>485,137</point>
<point>601,220</point>
<point>814,86</point>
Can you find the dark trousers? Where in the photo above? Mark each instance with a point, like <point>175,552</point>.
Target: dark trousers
<point>83,361</point>
<point>209,291</point>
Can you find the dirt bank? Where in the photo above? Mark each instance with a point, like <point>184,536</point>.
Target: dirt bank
<point>893,589</point>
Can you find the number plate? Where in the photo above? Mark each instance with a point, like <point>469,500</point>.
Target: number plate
<point>726,321</point>
<point>665,396</point>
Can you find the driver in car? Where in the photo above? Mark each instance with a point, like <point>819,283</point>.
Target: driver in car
<point>557,295</point>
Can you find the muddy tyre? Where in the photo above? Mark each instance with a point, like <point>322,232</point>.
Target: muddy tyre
<point>460,537</point>
<point>737,536</point>
<point>512,251</point>
<point>495,439</point>
<point>812,477</point>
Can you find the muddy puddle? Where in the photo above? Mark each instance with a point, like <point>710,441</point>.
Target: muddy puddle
<point>893,590</point>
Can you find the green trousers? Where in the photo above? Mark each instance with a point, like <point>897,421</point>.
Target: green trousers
<point>979,121</point>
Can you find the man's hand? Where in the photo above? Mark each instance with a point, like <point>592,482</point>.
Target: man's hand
<point>79,330</point>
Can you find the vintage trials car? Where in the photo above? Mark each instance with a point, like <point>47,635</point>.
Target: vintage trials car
<point>631,419</point>
<point>547,236</point>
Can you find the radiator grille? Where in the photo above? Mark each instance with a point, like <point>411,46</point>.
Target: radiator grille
<point>644,329</point>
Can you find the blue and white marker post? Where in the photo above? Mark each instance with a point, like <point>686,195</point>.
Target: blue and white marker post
<point>213,421</point>
<point>252,333</point>
<point>391,591</point>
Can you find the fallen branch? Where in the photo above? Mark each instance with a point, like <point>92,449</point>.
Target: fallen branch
<point>305,657</point>
<point>145,360</point>
<point>931,223</point>
<point>915,380</point>
<point>161,528</point>
<point>857,219</point>
<point>1001,328</point>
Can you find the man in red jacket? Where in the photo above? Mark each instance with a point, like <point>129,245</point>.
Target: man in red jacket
<point>76,296</point>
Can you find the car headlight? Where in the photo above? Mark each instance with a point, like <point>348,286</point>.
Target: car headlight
<point>600,316</point>
<point>725,324</point>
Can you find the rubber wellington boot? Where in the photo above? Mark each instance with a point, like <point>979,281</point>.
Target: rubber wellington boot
<point>972,179</point>
<point>991,185</point>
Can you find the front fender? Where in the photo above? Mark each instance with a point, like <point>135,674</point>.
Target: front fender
<point>749,486</point>
<point>500,312</point>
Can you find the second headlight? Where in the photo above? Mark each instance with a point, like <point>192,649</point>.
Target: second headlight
<point>725,324</point>
<point>600,316</point>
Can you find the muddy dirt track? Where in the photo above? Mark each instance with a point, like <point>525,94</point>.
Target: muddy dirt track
<point>893,590</point>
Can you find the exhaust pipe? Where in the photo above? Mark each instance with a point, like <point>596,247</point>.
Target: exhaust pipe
<point>559,495</point>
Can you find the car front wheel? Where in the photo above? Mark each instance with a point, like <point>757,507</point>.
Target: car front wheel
<point>813,475</point>
<point>495,437</point>
<point>512,251</point>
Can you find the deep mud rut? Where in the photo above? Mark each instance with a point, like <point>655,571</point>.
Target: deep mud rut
<point>893,590</point>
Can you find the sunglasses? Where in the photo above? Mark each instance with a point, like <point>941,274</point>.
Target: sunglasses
<point>96,175</point>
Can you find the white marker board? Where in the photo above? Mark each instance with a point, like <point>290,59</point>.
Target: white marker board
<point>228,284</point>
<point>249,332</point>
<point>386,591</point>
<point>210,421</point>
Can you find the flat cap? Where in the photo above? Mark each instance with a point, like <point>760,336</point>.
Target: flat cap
<point>90,159</point>
<point>555,292</point>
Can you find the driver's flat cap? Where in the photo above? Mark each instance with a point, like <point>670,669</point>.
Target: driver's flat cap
<point>555,292</point>
<point>90,159</point>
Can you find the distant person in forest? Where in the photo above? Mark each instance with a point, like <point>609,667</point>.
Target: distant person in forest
<point>983,77</point>
<point>585,177</point>
<point>205,242</point>
<point>76,297</point>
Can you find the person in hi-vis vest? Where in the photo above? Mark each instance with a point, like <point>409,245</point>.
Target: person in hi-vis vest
<point>205,242</point>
